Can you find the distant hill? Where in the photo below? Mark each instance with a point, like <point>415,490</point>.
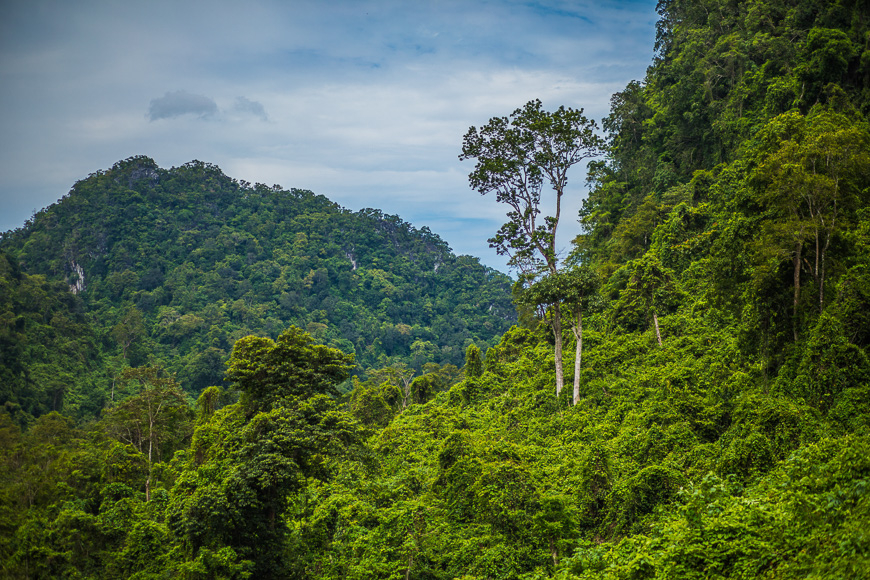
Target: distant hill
<point>172,266</point>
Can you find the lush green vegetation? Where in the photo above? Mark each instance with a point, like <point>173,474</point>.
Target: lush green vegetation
<point>50,354</point>
<point>173,266</point>
<point>721,427</point>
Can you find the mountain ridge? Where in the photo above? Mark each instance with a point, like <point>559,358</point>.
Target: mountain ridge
<point>181,262</point>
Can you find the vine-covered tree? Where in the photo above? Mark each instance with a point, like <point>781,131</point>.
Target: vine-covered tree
<point>651,287</point>
<point>156,416</point>
<point>810,177</point>
<point>473,362</point>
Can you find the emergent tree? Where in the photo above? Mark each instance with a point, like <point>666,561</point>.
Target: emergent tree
<point>515,156</point>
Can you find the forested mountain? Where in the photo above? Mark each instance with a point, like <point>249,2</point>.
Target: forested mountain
<point>173,266</point>
<point>48,350</point>
<point>721,427</point>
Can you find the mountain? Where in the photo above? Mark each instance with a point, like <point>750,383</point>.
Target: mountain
<point>173,266</point>
<point>722,427</point>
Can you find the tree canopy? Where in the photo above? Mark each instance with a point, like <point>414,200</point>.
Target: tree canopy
<point>516,157</point>
<point>268,371</point>
<point>720,297</point>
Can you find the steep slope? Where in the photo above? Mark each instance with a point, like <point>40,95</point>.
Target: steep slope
<point>734,210</point>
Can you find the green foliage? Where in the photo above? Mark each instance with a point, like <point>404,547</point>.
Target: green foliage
<point>649,291</point>
<point>234,491</point>
<point>719,425</point>
<point>268,372</point>
<point>49,355</point>
<point>374,404</point>
<point>473,362</point>
<point>803,520</point>
<point>391,390</point>
<point>173,266</point>
<point>515,157</point>
<point>155,421</point>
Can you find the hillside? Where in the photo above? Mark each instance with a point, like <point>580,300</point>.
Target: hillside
<point>173,266</point>
<point>49,352</point>
<point>722,423</point>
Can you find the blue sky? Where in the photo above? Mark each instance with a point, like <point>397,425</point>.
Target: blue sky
<point>365,102</point>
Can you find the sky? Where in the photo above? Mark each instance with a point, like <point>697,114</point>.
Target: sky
<point>363,101</point>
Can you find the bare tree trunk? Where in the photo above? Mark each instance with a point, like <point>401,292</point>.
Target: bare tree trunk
<point>557,334</point>
<point>797,288</point>
<point>406,392</point>
<point>152,417</point>
<point>822,288</point>
<point>150,464</point>
<point>578,355</point>
<point>555,553</point>
<point>822,275</point>
<point>658,332</point>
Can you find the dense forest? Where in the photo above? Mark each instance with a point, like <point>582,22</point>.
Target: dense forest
<point>205,379</point>
<point>171,267</point>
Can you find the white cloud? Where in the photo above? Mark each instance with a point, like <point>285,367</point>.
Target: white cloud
<point>364,101</point>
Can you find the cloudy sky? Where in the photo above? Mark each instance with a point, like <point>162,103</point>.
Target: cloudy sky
<point>363,101</point>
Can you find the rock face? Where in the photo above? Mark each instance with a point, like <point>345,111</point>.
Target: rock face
<point>148,174</point>
<point>76,278</point>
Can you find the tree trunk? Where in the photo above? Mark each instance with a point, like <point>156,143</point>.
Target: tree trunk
<point>148,481</point>
<point>822,274</point>
<point>557,334</point>
<point>555,553</point>
<point>822,288</point>
<point>797,288</point>
<point>658,332</point>
<point>578,354</point>
<point>406,392</point>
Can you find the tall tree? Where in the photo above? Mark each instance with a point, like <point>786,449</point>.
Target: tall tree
<point>516,156</point>
<point>809,177</point>
<point>252,457</point>
<point>157,414</point>
<point>238,486</point>
<point>130,329</point>
<point>398,375</point>
<point>651,287</point>
<point>579,288</point>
